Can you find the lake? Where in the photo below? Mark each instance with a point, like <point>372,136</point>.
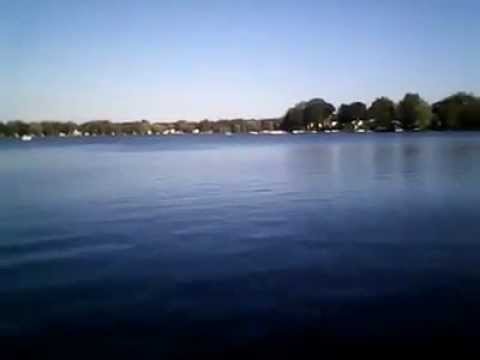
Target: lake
<point>189,244</point>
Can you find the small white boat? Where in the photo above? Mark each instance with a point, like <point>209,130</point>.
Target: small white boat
<point>228,133</point>
<point>26,137</point>
<point>273,132</point>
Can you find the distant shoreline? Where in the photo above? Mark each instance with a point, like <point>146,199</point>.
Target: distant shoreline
<point>249,134</point>
<point>460,111</point>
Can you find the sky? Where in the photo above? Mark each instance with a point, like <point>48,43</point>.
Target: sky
<point>195,59</point>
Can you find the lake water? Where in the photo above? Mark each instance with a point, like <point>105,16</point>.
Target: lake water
<point>171,245</point>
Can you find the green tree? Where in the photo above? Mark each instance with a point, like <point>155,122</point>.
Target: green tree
<point>317,113</point>
<point>354,111</point>
<point>470,115</point>
<point>238,126</point>
<point>18,127</point>
<point>344,115</point>
<point>359,110</point>
<point>35,128</point>
<point>294,118</point>
<point>205,125</point>
<point>382,111</point>
<point>414,112</point>
<point>159,128</point>
<point>448,111</point>
<point>68,128</point>
<point>144,127</point>
<point>49,128</point>
<point>4,130</point>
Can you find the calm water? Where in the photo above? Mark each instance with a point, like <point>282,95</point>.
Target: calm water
<point>183,243</point>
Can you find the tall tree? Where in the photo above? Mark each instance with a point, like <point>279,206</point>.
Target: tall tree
<point>382,111</point>
<point>205,125</point>
<point>470,115</point>
<point>4,130</point>
<point>69,127</point>
<point>354,111</point>
<point>414,112</point>
<point>449,109</point>
<point>317,113</point>
<point>359,111</point>
<point>35,128</point>
<point>344,115</point>
<point>18,127</point>
<point>294,118</point>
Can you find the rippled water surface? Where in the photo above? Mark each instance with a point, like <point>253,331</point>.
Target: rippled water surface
<point>153,242</point>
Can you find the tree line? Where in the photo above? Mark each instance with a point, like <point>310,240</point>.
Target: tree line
<point>143,127</point>
<point>460,111</point>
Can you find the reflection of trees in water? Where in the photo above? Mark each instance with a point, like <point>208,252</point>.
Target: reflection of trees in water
<point>462,161</point>
<point>389,167</point>
<point>325,166</point>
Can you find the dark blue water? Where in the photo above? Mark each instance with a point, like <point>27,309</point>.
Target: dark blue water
<point>168,245</point>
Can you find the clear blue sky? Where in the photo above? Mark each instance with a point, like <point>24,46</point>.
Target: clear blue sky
<point>167,60</point>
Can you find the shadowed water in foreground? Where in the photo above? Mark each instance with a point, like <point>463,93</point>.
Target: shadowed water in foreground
<point>243,245</point>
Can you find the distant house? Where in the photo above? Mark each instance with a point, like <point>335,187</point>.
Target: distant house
<point>359,125</point>
<point>397,123</point>
<point>169,132</point>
